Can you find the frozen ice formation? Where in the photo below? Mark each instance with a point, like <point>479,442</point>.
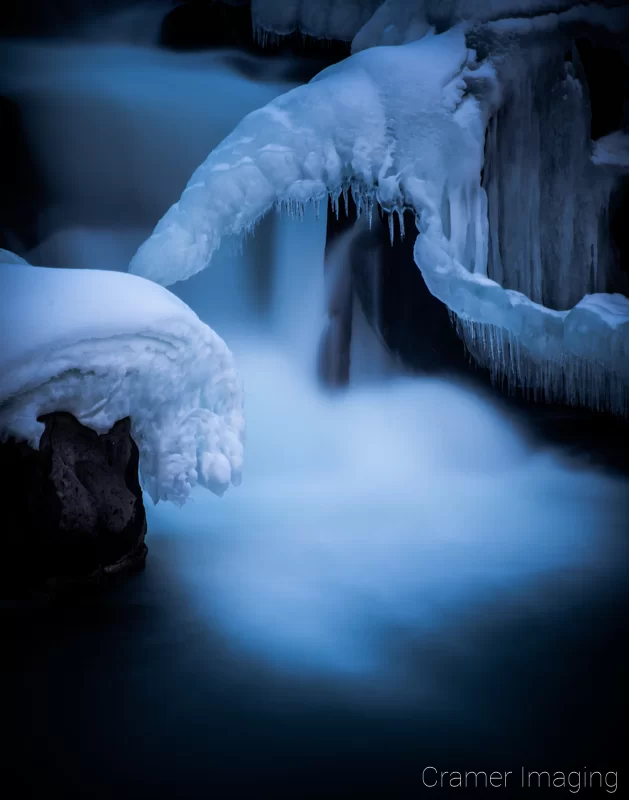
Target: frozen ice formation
<point>322,19</point>
<point>107,345</point>
<point>378,22</point>
<point>518,254</point>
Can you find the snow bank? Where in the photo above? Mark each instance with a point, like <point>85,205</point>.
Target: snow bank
<point>105,345</point>
<point>403,126</point>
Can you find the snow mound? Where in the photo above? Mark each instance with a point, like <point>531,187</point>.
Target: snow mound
<point>106,345</point>
<point>403,126</point>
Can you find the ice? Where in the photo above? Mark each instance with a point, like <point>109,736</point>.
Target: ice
<point>346,130</point>
<point>381,22</point>
<point>547,203</point>
<point>576,381</point>
<point>323,19</point>
<point>372,522</point>
<point>604,15</point>
<point>107,345</point>
<point>405,126</point>
<point>398,21</point>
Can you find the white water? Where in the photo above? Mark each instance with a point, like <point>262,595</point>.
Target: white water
<point>394,509</point>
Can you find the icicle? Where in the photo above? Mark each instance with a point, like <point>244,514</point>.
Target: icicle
<point>391,229</point>
<point>334,199</point>
<point>264,37</point>
<point>346,201</point>
<point>400,215</point>
<point>358,199</point>
<point>576,381</point>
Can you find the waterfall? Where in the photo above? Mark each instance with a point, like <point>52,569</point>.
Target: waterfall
<point>383,507</point>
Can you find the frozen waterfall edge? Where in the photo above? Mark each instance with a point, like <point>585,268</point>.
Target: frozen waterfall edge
<point>418,144</point>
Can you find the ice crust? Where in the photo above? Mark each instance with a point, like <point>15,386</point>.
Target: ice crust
<point>107,345</point>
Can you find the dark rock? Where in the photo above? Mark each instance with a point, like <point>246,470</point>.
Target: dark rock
<point>198,24</point>
<point>73,509</point>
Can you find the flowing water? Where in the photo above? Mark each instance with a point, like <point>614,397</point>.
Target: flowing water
<point>403,578</point>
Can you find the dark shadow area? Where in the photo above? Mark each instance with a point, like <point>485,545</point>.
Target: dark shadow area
<point>22,191</point>
<point>199,25</point>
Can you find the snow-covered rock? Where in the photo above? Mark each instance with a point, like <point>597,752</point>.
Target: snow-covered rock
<point>104,346</point>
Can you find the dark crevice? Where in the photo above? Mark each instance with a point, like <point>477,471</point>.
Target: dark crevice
<point>197,25</point>
<point>607,74</point>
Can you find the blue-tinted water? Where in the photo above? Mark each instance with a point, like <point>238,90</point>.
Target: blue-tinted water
<point>405,578</point>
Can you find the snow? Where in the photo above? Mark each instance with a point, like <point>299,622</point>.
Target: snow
<point>612,150</point>
<point>346,130</point>
<point>7,257</point>
<point>405,126</point>
<point>106,345</point>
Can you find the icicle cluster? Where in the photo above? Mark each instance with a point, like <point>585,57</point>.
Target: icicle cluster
<point>324,19</point>
<point>569,379</point>
<point>405,127</point>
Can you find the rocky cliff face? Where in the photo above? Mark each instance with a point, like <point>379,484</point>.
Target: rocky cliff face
<point>73,509</point>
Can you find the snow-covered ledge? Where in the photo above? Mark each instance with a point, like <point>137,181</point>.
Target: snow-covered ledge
<point>105,346</point>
